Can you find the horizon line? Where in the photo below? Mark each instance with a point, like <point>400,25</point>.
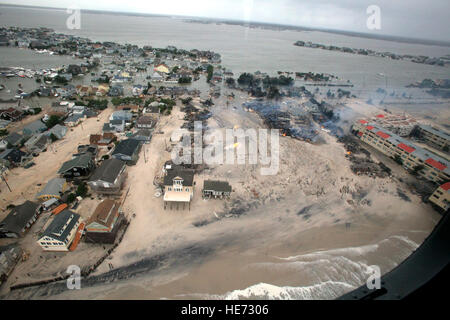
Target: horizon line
<point>359,34</point>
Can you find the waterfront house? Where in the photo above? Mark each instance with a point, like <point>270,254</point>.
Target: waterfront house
<point>19,220</point>
<point>109,177</point>
<point>216,189</point>
<point>61,232</point>
<point>79,167</point>
<point>178,187</point>
<point>128,151</point>
<point>103,225</point>
<point>53,189</point>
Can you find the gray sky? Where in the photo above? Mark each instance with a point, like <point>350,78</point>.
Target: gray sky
<point>409,18</point>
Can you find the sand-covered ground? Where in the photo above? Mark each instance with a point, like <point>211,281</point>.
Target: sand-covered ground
<point>309,231</point>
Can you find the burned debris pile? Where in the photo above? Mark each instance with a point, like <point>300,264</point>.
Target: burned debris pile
<point>361,162</point>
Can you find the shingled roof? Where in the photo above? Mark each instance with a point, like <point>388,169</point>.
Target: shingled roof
<point>185,174</point>
<point>108,171</point>
<point>18,218</point>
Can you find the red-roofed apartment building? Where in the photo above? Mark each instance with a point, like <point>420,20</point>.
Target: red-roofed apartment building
<point>441,197</point>
<point>414,158</point>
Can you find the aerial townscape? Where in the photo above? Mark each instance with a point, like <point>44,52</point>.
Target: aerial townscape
<point>88,178</point>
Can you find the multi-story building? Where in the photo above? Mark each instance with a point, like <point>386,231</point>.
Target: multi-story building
<point>61,232</point>
<point>441,197</point>
<point>425,163</point>
<point>435,137</point>
<point>178,187</point>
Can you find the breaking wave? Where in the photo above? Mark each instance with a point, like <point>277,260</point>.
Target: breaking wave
<point>327,274</point>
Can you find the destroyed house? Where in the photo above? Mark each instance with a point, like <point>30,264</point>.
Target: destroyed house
<point>79,167</point>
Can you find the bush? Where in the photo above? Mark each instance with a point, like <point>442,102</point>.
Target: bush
<point>71,197</point>
<point>52,121</point>
<point>82,190</point>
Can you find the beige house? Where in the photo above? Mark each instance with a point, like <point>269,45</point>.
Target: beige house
<point>441,197</point>
<point>178,188</point>
<point>61,232</point>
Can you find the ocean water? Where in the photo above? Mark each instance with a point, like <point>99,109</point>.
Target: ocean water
<point>323,274</point>
<point>247,49</point>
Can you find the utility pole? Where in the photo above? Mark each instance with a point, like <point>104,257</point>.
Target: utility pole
<point>4,179</point>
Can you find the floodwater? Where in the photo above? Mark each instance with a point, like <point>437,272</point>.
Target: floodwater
<point>269,253</point>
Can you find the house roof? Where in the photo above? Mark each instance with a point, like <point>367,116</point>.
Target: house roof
<point>126,147</point>
<point>177,172</point>
<point>145,120</point>
<point>14,138</point>
<point>53,187</point>
<point>446,186</point>
<point>108,171</point>
<point>35,126</point>
<point>81,161</point>
<point>18,217</point>
<point>104,214</point>
<point>215,185</point>
<point>57,229</point>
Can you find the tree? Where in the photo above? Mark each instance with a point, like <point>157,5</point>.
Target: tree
<point>82,190</point>
<point>210,71</point>
<point>52,121</point>
<point>71,197</point>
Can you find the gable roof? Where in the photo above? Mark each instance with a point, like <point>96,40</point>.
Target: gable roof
<point>14,138</point>
<point>35,126</point>
<point>215,185</point>
<point>18,217</point>
<point>185,174</point>
<point>108,171</point>
<point>53,187</point>
<point>127,147</point>
<point>56,229</point>
<point>81,161</point>
<point>104,214</point>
